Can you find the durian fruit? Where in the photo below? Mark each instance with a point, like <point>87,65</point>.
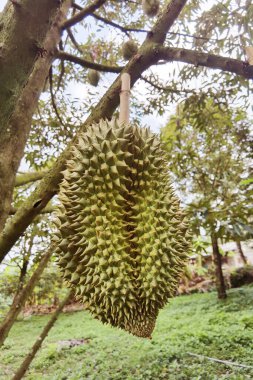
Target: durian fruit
<point>150,7</point>
<point>122,238</point>
<point>93,77</point>
<point>129,49</point>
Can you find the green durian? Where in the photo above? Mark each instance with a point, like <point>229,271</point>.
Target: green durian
<point>129,49</point>
<point>123,237</point>
<point>150,7</point>
<point>93,77</point>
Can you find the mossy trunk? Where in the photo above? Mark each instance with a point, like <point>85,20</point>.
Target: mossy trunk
<point>21,298</point>
<point>25,28</point>
<point>239,247</point>
<point>29,358</point>
<point>217,258</point>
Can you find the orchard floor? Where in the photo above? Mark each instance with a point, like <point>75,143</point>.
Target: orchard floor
<point>197,324</point>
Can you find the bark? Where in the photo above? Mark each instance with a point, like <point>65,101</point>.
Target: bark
<point>29,358</point>
<point>28,20</point>
<point>20,300</point>
<point>220,282</point>
<point>146,56</point>
<point>23,28</point>
<point>24,178</point>
<point>239,247</point>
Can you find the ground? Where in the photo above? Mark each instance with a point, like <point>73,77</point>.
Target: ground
<point>189,324</point>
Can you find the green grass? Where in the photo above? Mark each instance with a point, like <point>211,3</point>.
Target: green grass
<point>197,323</point>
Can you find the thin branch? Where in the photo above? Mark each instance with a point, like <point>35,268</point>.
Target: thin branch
<point>53,98</point>
<point>124,29</point>
<point>226,362</point>
<point>19,374</point>
<point>83,13</point>
<point>87,64</point>
<point>76,6</point>
<point>167,88</point>
<point>207,60</point>
<point>74,41</point>
<point>62,72</point>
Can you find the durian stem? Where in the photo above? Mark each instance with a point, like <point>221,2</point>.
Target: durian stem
<point>124,98</point>
<point>249,53</point>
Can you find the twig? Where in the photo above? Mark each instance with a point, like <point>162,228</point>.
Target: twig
<point>226,362</point>
<point>83,13</point>
<point>166,89</point>
<point>62,72</point>
<point>74,41</point>
<point>124,29</point>
<point>52,96</point>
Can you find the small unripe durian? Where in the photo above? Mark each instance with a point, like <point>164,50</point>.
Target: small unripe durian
<point>122,238</point>
<point>129,49</point>
<point>150,7</point>
<point>93,77</point>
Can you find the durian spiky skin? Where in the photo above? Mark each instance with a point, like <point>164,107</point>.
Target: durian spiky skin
<point>93,77</point>
<point>123,239</point>
<point>150,7</point>
<point>129,49</point>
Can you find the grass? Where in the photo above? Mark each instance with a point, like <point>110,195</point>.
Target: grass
<point>197,323</point>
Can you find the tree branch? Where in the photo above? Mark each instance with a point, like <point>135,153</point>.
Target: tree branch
<point>73,40</point>
<point>76,6</point>
<point>87,64</point>
<point>53,97</point>
<point>82,14</point>
<point>207,60</point>
<point>46,210</point>
<point>124,29</point>
<point>24,178</point>
<point>166,20</point>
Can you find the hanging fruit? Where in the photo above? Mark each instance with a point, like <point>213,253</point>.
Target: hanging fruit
<point>150,7</point>
<point>93,77</point>
<point>122,239</point>
<point>129,49</point>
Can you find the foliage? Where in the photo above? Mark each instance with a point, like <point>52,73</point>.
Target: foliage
<point>209,145</point>
<point>196,323</point>
<point>48,290</point>
<point>241,276</point>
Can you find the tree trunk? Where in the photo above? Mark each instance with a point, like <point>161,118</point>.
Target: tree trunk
<point>22,275</point>
<point>21,298</point>
<point>25,69</point>
<point>220,282</point>
<point>239,247</point>
<point>48,187</point>
<point>29,358</point>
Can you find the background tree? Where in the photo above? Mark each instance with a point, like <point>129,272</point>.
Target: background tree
<point>209,146</point>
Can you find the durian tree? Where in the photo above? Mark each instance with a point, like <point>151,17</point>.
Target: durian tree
<point>210,147</point>
<point>70,40</point>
